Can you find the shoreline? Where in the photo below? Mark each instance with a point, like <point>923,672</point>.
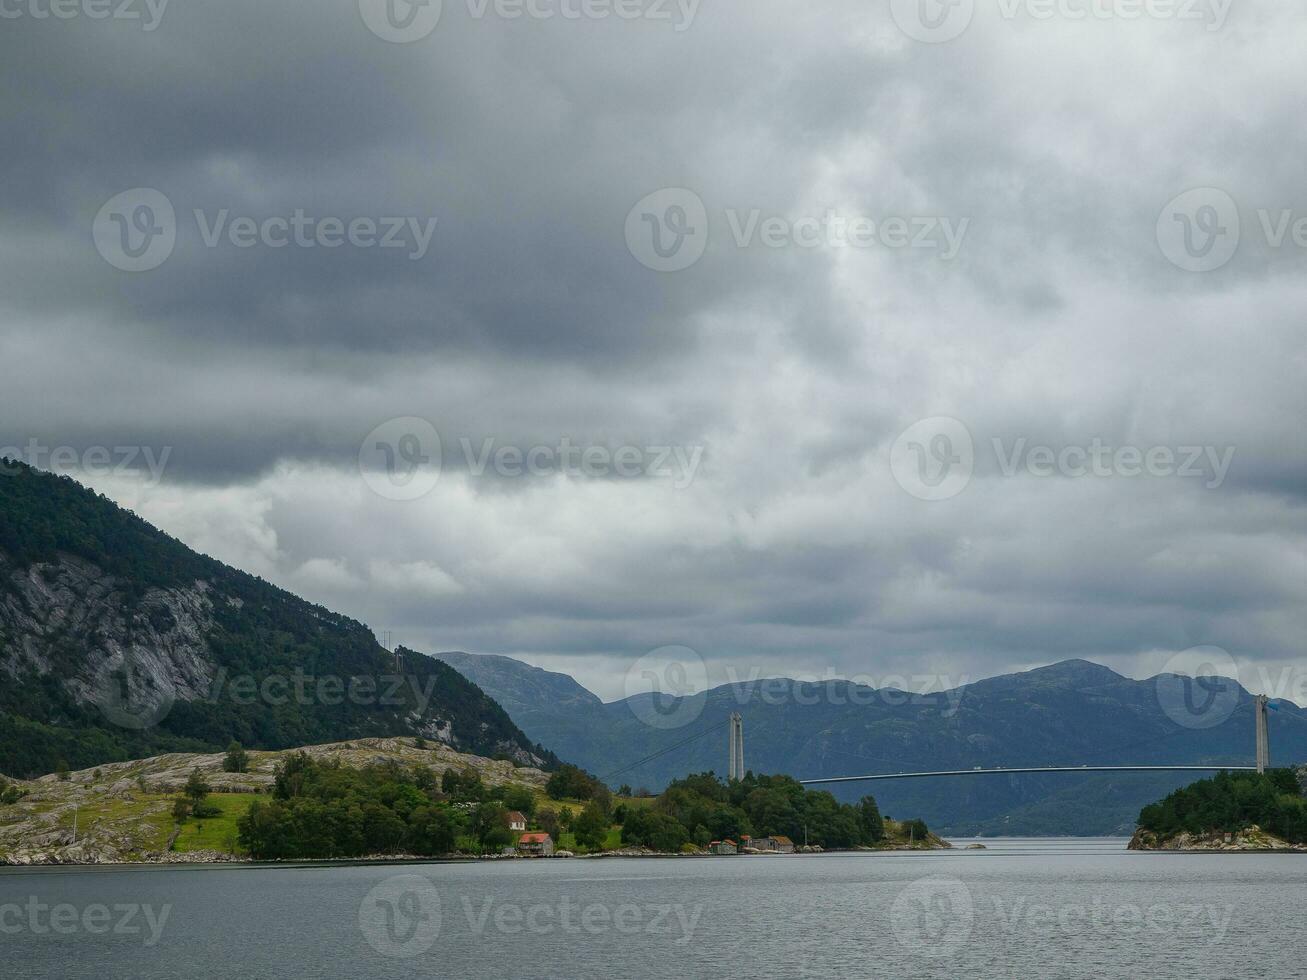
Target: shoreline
<point>239,863</point>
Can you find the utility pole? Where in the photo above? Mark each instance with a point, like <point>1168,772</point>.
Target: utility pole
<point>74,826</point>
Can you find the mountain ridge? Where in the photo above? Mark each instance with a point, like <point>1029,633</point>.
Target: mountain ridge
<point>1069,713</point>
<point>117,642</point>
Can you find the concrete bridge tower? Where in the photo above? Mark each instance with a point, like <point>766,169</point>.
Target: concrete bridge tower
<point>1263,735</point>
<point>735,746</point>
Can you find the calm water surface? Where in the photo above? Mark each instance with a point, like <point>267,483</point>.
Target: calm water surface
<point>1046,908</point>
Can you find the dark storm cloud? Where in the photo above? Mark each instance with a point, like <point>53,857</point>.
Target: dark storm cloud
<point>1051,148</point>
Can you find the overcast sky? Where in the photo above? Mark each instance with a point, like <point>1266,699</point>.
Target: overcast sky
<point>747,254</point>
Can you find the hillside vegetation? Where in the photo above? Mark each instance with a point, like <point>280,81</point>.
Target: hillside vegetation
<point>1231,803</point>
<point>118,642</point>
<point>125,811</point>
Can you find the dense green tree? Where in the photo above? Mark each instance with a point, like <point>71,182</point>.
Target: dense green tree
<point>520,798</point>
<point>869,816</point>
<point>1230,802</point>
<point>433,830</point>
<point>196,789</point>
<point>465,786</point>
<point>571,783</point>
<point>491,827</point>
<point>591,828</point>
<point>547,820</point>
<point>236,759</point>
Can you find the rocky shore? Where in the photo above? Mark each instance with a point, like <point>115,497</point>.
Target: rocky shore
<point>1251,839</point>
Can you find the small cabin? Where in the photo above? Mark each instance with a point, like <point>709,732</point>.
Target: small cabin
<point>535,845</point>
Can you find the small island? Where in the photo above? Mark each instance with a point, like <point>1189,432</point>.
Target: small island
<point>1231,811</point>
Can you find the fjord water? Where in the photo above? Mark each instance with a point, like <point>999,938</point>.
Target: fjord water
<point>1048,908</point>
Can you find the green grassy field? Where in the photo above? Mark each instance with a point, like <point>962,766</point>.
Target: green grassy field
<point>216,833</point>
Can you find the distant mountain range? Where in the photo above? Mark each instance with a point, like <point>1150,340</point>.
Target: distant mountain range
<point>118,642</point>
<point>1071,713</point>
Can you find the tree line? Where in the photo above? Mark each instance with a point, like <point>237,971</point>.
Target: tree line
<point>1230,802</point>
<point>321,809</point>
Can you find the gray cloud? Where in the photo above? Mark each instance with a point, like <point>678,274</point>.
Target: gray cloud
<point>1060,321</point>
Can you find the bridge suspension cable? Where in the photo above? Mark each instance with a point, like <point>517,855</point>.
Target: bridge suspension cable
<point>661,752</point>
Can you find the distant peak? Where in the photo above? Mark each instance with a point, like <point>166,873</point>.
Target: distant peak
<point>1076,670</point>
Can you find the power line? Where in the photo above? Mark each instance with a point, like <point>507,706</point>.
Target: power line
<point>662,752</point>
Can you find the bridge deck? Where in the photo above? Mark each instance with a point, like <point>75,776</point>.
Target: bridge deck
<point>1004,772</point>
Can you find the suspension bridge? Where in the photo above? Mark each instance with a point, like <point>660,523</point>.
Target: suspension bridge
<point>1259,722</point>
<point>735,758</point>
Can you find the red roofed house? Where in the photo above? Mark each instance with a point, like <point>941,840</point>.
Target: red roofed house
<point>537,845</point>
<point>516,821</point>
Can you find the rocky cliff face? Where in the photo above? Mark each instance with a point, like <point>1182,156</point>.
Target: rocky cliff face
<point>118,642</point>
<point>70,622</point>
